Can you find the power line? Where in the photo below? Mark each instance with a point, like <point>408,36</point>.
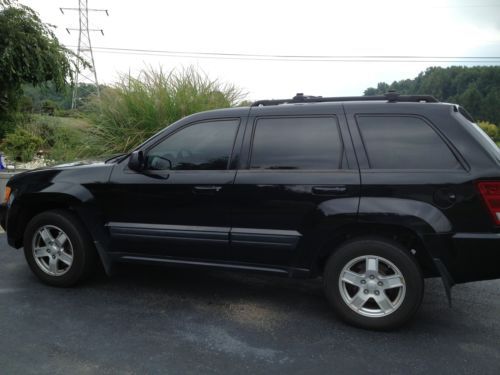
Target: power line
<point>313,58</point>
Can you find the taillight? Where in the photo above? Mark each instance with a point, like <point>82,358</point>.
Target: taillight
<point>490,191</point>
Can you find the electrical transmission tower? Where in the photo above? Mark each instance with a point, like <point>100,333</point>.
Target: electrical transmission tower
<point>85,65</point>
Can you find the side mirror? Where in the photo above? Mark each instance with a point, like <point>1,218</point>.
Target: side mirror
<point>136,161</point>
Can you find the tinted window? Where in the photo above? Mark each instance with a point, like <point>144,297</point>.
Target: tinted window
<point>404,143</point>
<point>204,145</point>
<point>296,143</point>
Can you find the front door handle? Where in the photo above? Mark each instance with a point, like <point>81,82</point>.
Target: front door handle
<point>329,190</point>
<point>206,189</point>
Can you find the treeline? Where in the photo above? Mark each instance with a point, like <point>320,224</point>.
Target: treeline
<point>475,88</point>
<point>48,99</point>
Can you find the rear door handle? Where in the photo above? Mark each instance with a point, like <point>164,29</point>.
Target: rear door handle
<point>206,189</point>
<point>329,190</point>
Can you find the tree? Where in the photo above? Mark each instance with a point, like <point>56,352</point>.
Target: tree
<point>490,129</point>
<point>475,88</point>
<point>29,54</point>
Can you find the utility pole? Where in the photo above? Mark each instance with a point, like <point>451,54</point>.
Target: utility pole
<point>85,65</point>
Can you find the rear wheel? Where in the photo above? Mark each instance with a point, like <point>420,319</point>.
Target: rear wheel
<point>374,283</point>
<point>58,248</point>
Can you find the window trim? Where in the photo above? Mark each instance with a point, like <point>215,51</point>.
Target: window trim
<point>459,158</point>
<point>147,149</point>
<point>271,117</point>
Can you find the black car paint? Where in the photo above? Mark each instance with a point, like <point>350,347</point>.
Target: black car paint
<point>275,221</point>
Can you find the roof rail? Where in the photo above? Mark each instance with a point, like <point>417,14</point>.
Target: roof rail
<point>391,97</point>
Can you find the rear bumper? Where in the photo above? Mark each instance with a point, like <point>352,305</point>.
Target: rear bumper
<point>474,256</point>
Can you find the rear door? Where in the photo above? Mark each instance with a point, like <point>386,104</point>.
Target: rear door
<point>297,167</point>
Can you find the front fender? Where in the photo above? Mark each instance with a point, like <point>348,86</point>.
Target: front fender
<point>75,197</point>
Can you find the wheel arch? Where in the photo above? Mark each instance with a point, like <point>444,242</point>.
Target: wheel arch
<point>28,206</point>
<point>408,237</point>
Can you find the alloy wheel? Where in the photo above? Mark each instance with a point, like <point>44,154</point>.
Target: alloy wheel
<point>372,286</point>
<point>52,250</point>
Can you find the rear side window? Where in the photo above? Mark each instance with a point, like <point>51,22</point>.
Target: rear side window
<point>404,142</point>
<point>296,143</point>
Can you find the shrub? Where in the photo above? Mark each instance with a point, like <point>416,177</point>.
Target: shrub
<point>137,107</point>
<point>61,140</point>
<point>22,144</point>
<point>49,107</point>
<point>490,129</point>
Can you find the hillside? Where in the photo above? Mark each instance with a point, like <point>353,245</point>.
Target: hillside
<point>475,88</point>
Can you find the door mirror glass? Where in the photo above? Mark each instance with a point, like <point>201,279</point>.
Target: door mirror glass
<point>159,162</point>
<point>136,161</point>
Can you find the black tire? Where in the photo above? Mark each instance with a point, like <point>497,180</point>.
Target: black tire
<point>83,252</point>
<point>405,306</point>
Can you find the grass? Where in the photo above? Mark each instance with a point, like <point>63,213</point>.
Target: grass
<point>137,107</point>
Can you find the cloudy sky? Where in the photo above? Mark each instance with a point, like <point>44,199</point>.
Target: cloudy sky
<point>427,28</point>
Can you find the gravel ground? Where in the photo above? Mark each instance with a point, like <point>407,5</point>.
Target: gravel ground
<point>175,321</point>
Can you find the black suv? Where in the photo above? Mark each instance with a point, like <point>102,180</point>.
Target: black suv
<point>371,193</point>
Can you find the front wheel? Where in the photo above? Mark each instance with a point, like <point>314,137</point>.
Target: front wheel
<point>374,283</point>
<point>58,248</point>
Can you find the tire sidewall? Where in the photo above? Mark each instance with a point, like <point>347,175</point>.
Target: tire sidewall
<point>80,258</point>
<point>399,257</point>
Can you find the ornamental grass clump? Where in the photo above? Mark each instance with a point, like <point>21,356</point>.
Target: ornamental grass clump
<point>135,108</point>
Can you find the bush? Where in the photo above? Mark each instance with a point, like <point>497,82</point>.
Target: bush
<point>49,107</point>
<point>22,144</point>
<point>9,121</point>
<point>60,140</point>
<point>490,129</point>
<point>137,107</point>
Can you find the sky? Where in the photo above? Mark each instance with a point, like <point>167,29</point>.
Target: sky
<point>431,28</point>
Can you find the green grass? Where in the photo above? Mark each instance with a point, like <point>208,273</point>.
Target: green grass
<point>137,107</point>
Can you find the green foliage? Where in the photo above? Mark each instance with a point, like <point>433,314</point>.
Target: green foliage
<point>490,129</point>
<point>49,107</point>
<point>29,53</point>
<point>39,94</point>
<point>245,103</point>
<point>137,107</point>
<point>60,139</point>
<point>22,144</point>
<point>475,88</point>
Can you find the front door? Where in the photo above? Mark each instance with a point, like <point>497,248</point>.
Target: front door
<point>177,206</point>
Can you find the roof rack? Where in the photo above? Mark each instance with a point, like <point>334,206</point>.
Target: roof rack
<point>391,97</point>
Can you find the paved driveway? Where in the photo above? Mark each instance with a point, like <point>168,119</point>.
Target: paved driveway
<point>149,320</point>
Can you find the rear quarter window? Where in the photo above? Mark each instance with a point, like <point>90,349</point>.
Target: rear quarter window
<point>404,142</point>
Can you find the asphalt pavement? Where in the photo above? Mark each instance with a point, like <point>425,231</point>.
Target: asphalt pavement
<point>148,320</point>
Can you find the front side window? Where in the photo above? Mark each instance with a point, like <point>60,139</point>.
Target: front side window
<point>201,146</point>
<point>296,143</point>
<point>404,142</point>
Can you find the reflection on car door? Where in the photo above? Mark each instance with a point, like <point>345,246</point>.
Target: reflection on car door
<point>178,206</point>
